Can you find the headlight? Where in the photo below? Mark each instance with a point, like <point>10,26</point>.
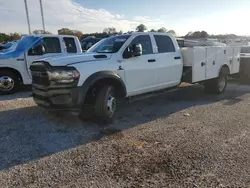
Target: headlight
<point>64,76</point>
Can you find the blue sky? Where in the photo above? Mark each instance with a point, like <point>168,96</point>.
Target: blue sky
<point>179,8</point>
<point>221,16</point>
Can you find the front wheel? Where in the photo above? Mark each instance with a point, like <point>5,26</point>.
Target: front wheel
<point>9,82</point>
<point>217,85</point>
<point>106,104</point>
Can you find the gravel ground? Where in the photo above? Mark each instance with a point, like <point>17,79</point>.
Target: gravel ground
<point>181,139</point>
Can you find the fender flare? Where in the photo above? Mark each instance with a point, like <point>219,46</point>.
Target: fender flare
<point>94,78</point>
<point>13,70</point>
<point>224,66</point>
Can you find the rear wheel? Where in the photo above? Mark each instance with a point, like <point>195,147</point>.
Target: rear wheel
<point>217,85</point>
<point>9,82</point>
<point>106,104</point>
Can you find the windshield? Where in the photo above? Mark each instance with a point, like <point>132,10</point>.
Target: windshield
<point>109,45</point>
<point>26,42</point>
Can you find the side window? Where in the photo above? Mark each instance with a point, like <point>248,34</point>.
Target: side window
<point>70,44</point>
<point>145,41</point>
<point>48,45</point>
<point>35,51</point>
<point>164,43</point>
<point>52,45</point>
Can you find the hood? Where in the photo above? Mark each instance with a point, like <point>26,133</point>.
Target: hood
<point>63,60</point>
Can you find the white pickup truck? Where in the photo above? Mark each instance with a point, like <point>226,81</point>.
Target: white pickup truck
<point>126,66</point>
<point>15,61</point>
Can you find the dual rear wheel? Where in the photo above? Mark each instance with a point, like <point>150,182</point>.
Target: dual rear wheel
<point>217,85</point>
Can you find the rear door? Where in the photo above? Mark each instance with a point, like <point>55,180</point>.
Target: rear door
<point>52,47</point>
<point>168,60</point>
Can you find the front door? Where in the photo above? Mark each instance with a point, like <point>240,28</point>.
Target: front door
<point>141,72</point>
<point>51,46</point>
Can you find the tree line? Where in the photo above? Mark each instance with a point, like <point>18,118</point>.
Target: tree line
<point>112,31</point>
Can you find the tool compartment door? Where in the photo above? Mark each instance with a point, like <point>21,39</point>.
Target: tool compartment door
<point>229,57</point>
<point>236,60</point>
<point>212,66</point>
<point>221,58</point>
<point>199,62</point>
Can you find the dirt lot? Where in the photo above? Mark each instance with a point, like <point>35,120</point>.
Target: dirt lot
<point>181,139</point>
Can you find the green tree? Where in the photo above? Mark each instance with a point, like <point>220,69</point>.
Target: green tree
<point>172,32</point>
<point>65,31</point>
<point>110,30</point>
<point>78,34</point>
<point>152,30</point>
<point>14,36</point>
<point>189,34</point>
<point>197,34</point>
<point>141,28</point>
<point>4,37</point>
<point>204,34</point>
<point>37,31</point>
<point>162,30</point>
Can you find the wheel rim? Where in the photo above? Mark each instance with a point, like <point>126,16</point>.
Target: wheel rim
<point>222,83</point>
<point>111,105</point>
<point>6,83</point>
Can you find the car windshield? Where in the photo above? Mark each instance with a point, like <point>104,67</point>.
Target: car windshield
<point>109,45</point>
<point>26,42</point>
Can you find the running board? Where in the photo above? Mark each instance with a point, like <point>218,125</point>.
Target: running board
<point>151,94</point>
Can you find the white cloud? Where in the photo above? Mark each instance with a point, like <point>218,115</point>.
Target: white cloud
<point>65,13</point>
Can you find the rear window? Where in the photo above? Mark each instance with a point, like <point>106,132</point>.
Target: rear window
<point>164,44</point>
<point>245,49</point>
<point>70,44</point>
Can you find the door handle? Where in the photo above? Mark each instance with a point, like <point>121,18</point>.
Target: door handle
<point>203,64</point>
<point>151,60</point>
<point>177,57</point>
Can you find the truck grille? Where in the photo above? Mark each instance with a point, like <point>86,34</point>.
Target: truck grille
<point>39,74</point>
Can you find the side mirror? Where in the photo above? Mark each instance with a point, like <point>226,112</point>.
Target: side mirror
<point>136,50</point>
<point>133,51</point>
<point>40,50</point>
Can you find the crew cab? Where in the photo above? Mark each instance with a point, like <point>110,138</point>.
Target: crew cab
<point>127,66</point>
<point>15,62</point>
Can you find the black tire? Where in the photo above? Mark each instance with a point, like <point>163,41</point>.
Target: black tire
<point>86,113</point>
<point>10,78</point>
<point>217,85</point>
<point>106,104</point>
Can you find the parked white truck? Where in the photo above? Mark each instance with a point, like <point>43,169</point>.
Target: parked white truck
<point>15,62</point>
<point>127,66</point>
